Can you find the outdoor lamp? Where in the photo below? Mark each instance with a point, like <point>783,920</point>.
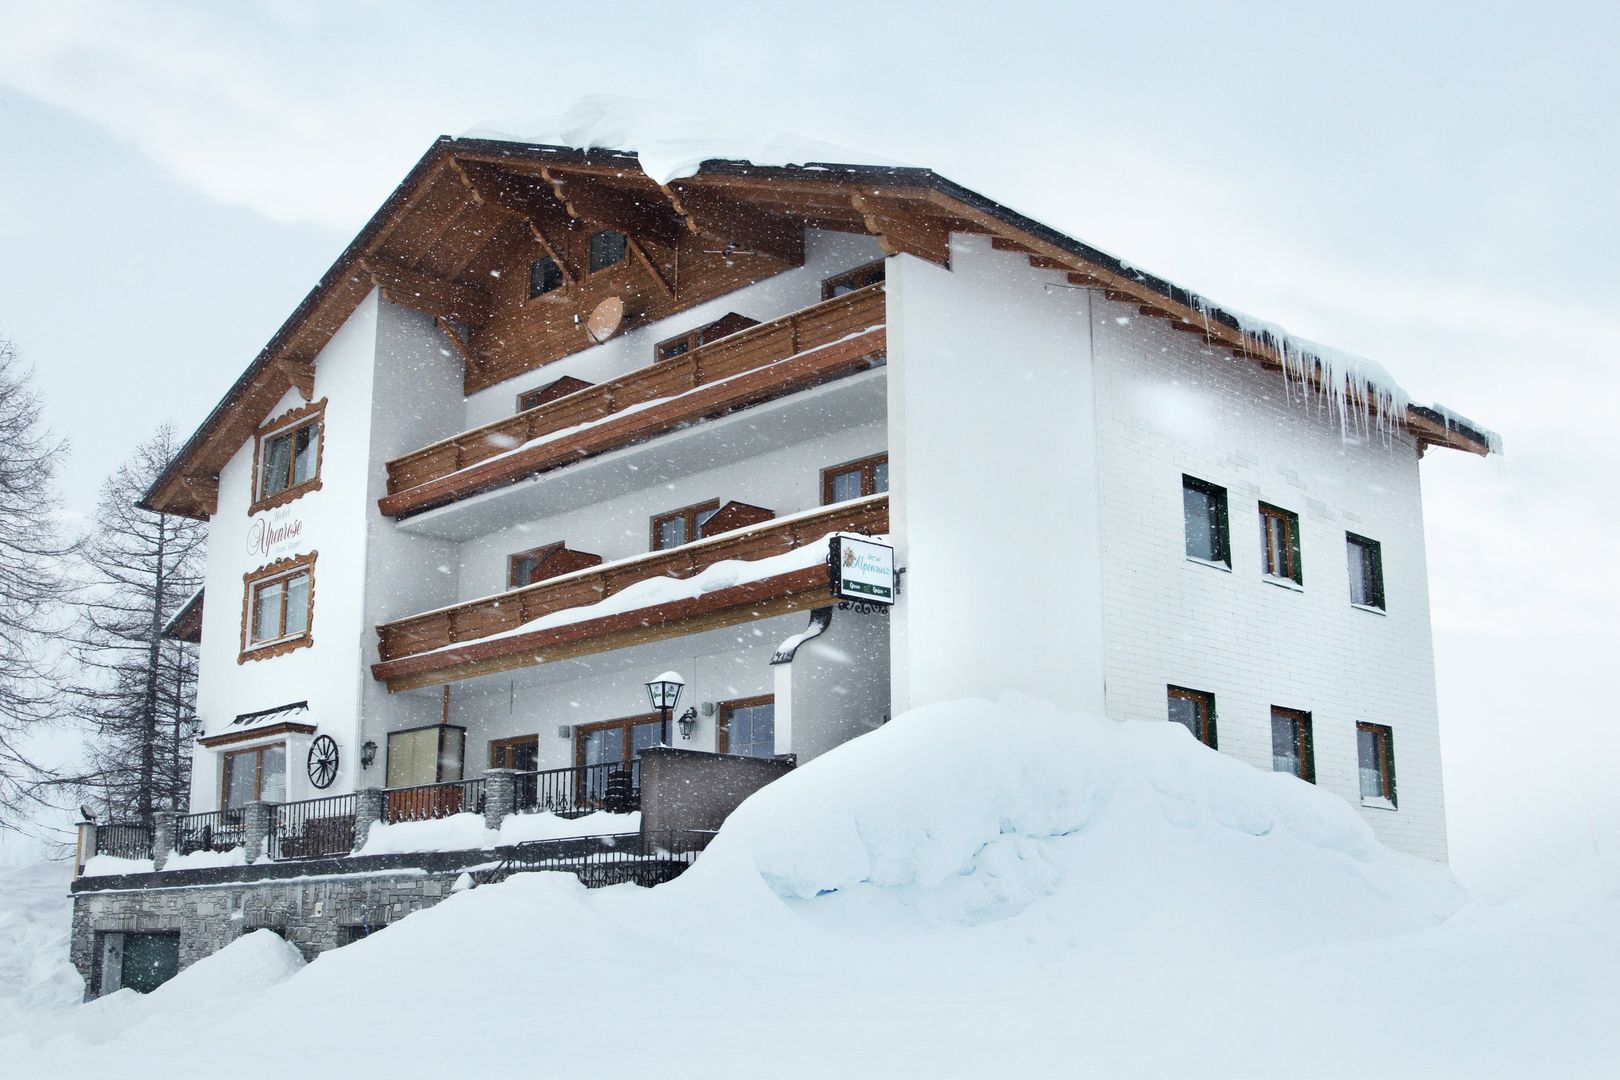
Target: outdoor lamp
<point>664,692</point>
<point>368,754</point>
<point>687,721</point>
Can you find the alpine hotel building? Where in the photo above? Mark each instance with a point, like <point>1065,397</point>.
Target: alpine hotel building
<point>549,430</point>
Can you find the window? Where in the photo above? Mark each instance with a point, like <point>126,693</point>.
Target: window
<point>287,457</point>
<point>1291,750</point>
<point>1375,756</point>
<point>1279,544</point>
<point>544,276</point>
<point>607,248</point>
<point>854,479</point>
<point>426,755</point>
<point>278,607</point>
<point>541,395</point>
<point>1366,560</point>
<point>616,740</point>
<point>849,281</point>
<point>257,775</point>
<point>1193,710</point>
<point>1203,509</point>
<point>681,344</point>
<point>747,727</point>
<point>681,526</point>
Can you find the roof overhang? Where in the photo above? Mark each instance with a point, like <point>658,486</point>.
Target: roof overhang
<point>910,210</point>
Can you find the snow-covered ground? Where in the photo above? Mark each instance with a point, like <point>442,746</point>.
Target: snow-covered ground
<point>1074,897</point>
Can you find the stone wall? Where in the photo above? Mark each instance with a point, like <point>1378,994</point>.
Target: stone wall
<point>314,913</point>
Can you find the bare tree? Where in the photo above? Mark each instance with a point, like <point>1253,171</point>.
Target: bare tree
<point>137,689</point>
<point>32,585</point>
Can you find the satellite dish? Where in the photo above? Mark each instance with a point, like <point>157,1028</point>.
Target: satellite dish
<point>604,319</point>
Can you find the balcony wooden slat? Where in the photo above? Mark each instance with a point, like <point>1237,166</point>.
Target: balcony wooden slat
<point>748,350</point>
<point>507,611</point>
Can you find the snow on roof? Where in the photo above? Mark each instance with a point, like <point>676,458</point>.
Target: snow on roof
<point>669,142</point>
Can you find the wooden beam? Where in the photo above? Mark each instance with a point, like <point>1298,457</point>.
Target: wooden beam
<point>591,199</point>
<point>448,329</point>
<point>301,374</point>
<point>430,295</point>
<point>728,221</point>
<point>647,264</point>
<point>203,491</point>
<point>899,231</point>
<point>530,199</point>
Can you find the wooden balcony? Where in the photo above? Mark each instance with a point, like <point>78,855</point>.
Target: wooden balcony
<point>421,650</point>
<point>815,345</point>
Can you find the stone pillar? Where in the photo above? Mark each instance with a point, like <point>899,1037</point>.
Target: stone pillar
<point>500,796</point>
<point>162,837</point>
<point>368,810</point>
<point>87,846</point>
<point>256,828</point>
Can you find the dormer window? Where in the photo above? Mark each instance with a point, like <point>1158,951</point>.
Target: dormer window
<point>544,276</point>
<point>607,248</point>
<point>288,457</point>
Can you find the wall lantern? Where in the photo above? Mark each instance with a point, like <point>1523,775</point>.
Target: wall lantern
<point>664,692</point>
<point>368,754</point>
<point>687,721</point>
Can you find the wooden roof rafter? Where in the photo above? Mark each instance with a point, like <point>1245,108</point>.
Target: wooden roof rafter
<point>646,215</point>
<point>528,199</point>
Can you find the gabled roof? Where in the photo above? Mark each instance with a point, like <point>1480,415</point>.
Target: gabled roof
<point>433,242</point>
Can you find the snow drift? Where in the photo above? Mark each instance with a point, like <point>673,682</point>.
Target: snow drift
<point>974,889</point>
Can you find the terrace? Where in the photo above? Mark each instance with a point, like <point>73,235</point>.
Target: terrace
<point>766,362</point>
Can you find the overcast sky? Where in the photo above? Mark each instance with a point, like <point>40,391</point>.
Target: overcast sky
<point>1432,186</point>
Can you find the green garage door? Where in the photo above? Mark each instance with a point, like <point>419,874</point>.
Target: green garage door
<point>150,960</point>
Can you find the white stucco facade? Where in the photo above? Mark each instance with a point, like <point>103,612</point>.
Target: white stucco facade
<point>1037,437</point>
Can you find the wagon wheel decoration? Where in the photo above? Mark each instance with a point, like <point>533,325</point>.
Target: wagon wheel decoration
<point>323,762</point>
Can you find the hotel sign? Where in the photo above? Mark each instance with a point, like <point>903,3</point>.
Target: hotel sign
<point>273,534</point>
<point>862,570</point>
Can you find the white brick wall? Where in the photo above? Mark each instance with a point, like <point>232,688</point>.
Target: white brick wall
<point>1167,404</point>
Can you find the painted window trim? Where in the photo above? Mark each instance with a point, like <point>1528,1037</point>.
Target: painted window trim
<point>722,718</point>
<point>1206,714</point>
<point>291,420</point>
<point>1296,561</point>
<point>1305,742</point>
<point>867,466</point>
<point>251,581</point>
<point>1385,743</point>
<point>852,277</point>
<point>693,525</point>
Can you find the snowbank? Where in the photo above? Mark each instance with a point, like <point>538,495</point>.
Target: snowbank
<point>203,860</point>
<point>466,832</point>
<point>1117,839</point>
<point>976,889</point>
<point>35,920</point>
<point>109,865</point>
<point>669,142</point>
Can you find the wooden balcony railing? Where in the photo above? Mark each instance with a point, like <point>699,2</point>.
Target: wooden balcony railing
<point>835,338</point>
<point>476,619</point>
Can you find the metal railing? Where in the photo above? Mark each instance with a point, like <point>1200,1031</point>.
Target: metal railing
<point>124,841</point>
<point>614,786</point>
<point>606,860</point>
<point>220,830</point>
<point>312,828</point>
<point>427,801</point>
